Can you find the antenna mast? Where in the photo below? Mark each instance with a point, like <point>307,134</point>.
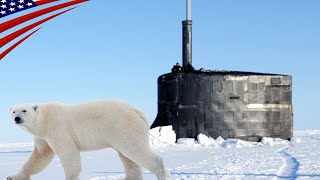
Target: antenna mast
<point>187,36</point>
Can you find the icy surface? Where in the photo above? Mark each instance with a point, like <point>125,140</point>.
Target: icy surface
<point>206,159</point>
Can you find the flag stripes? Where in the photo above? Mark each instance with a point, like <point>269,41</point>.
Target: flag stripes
<point>6,26</point>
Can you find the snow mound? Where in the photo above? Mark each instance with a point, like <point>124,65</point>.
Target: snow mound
<point>205,140</point>
<point>237,143</point>
<point>219,140</point>
<point>273,141</point>
<point>162,136</point>
<point>186,141</point>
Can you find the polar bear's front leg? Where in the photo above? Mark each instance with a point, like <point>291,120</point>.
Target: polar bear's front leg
<point>69,156</point>
<point>41,156</point>
<point>71,162</point>
<point>18,177</point>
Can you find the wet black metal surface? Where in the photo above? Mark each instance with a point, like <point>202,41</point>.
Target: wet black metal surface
<point>230,104</point>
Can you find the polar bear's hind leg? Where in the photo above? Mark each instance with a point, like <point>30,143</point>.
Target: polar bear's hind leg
<point>133,171</point>
<point>144,157</point>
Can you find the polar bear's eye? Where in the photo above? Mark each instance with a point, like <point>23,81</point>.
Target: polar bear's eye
<point>13,112</point>
<point>24,111</point>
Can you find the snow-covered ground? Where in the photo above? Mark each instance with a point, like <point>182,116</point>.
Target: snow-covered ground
<point>206,159</point>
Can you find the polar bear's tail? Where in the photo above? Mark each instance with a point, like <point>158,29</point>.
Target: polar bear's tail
<point>142,116</point>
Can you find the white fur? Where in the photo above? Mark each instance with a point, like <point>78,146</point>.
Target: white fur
<point>66,130</point>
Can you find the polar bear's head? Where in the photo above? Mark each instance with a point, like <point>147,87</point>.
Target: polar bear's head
<point>25,116</point>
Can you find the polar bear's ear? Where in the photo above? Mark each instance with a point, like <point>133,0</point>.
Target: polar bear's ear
<point>35,107</point>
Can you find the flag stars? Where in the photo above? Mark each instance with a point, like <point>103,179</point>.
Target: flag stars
<point>3,1</point>
<point>20,6</point>
<point>12,4</point>
<point>3,6</point>
<point>21,1</point>
<point>3,12</point>
<point>11,9</point>
<point>29,4</point>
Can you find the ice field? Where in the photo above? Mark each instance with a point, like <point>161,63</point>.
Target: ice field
<point>206,159</point>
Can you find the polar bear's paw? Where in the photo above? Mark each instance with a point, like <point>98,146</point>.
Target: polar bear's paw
<point>18,177</point>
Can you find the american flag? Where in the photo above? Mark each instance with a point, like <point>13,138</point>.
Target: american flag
<point>9,7</point>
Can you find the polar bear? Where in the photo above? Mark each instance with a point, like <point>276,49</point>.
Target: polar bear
<point>66,129</point>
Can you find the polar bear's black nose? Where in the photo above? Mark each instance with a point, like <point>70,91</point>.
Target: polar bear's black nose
<point>17,120</point>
